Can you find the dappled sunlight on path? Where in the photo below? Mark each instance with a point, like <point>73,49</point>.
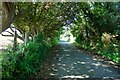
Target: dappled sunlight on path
<point>69,62</point>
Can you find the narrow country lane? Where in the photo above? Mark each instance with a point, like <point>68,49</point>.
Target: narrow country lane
<point>69,62</point>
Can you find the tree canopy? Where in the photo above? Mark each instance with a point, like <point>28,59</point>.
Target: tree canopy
<point>95,25</point>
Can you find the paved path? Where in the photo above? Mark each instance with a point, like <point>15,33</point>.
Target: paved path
<point>69,62</point>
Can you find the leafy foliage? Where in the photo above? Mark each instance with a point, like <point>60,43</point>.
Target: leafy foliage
<point>26,60</point>
<point>95,28</point>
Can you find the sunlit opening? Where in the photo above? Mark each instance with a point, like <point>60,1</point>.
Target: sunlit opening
<point>67,35</point>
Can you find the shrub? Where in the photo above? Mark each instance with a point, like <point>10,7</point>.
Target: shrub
<point>26,60</point>
<point>55,41</point>
<point>111,50</point>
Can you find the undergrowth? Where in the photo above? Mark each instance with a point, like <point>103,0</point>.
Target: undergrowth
<point>26,60</point>
<point>110,51</point>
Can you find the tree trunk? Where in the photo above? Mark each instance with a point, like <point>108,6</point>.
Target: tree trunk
<point>15,41</point>
<point>87,36</point>
<point>8,15</point>
<point>26,38</point>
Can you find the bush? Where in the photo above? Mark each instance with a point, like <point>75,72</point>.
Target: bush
<point>39,38</point>
<point>110,50</point>
<point>26,60</point>
<point>105,46</point>
<point>8,63</point>
<point>55,41</point>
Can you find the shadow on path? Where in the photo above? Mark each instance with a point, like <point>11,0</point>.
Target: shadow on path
<point>66,61</point>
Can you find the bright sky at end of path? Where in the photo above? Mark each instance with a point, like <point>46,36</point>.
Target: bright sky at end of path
<point>67,35</point>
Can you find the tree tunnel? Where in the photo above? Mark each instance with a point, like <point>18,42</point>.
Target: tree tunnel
<point>94,26</point>
<point>87,21</point>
